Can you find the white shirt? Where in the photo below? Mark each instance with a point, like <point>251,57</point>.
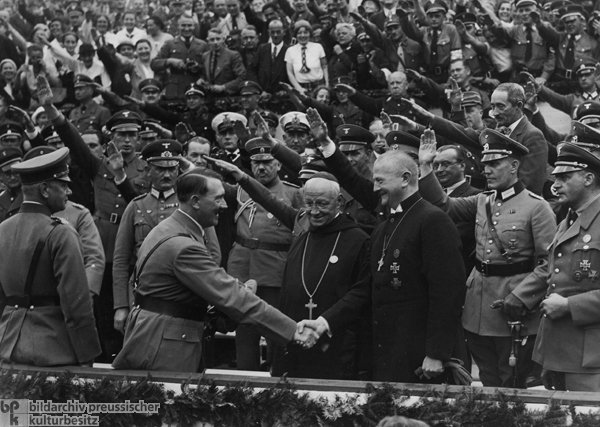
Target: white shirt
<point>453,187</point>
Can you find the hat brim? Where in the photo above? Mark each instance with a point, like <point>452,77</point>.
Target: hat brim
<point>351,146</point>
<point>404,147</point>
<point>150,87</point>
<point>163,162</point>
<point>565,169</point>
<point>491,156</point>
<point>435,10</point>
<point>194,92</point>
<point>262,157</point>
<point>5,167</point>
<point>129,127</point>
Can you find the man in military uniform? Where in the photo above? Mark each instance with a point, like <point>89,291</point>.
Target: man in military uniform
<point>440,39</point>
<point>177,278</point>
<point>47,317</point>
<point>11,135</point>
<point>89,114</point>
<point>530,50</point>
<point>567,341</point>
<point>117,180</point>
<point>12,197</point>
<point>80,218</point>
<point>574,46</point>
<point>180,61</point>
<point>223,124</point>
<point>249,96</point>
<point>355,143</point>
<point>197,116</point>
<point>513,229</point>
<point>261,246</point>
<point>588,91</point>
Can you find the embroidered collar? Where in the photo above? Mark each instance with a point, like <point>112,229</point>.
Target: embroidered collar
<point>510,192</point>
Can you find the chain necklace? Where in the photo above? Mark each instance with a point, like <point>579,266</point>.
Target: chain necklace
<point>310,304</point>
<point>389,239</point>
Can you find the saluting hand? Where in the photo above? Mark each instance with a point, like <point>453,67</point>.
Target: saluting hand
<point>427,151</point>
<point>408,124</point>
<point>263,129</point>
<point>228,168</point>
<point>418,110</point>
<point>318,127</point>
<point>44,91</point>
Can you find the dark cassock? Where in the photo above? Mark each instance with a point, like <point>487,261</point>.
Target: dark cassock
<point>327,274</point>
<point>418,290</point>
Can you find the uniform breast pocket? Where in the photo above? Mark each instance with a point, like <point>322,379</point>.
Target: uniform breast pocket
<point>140,184</point>
<point>141,229</point>
<point>180,349</point>
<point>586,261</point>
<point>513,235</point>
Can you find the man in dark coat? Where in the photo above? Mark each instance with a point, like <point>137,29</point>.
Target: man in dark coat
<point>327,264</point>
<point>417,274</point>
<point>269,68</point>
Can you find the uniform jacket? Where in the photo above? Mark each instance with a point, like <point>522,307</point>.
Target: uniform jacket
<point>91,116</point>
<point>80,218</point>
<point>448,42</point>
<point>417,292</point>
<point>340,114</point>
<point>571,343</point>
<point>110,200</point>
<point>255,222</point>
<point>182,270</point>
<point>373,106</point>
<point>266,72</point>
<point>10,204</point>
<point>465,228</point>
<point>437,93</point>
<point>230,70</point>
<point>45,335</point>
<point>199,120</point>
<point>175,81</point>
<point>565,103</point>
<point>525,225</point>
<point>586,48</point>
<point>543,59</point>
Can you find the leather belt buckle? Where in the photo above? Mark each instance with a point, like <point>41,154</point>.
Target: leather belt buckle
<point>252,243</point>
<point>114,218</point>
<point>485,268</point>
<point>437,70</point>
<point>568,73</point>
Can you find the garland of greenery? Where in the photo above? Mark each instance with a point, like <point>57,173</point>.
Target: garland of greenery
<point>239,405</point>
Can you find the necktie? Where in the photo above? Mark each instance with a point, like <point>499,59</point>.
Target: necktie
<point>570,54</point>
<point>234,25</point>
<point>529,48</point>
<point>504,130</point>
<point>188,42</point>
<point>572,217</point>
<point>274,52</point>
<point>213,65</point>
<point>304,68</point>
<point>433,56</point>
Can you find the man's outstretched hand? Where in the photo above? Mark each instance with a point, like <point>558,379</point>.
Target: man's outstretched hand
<point>318,127</point>
<point>44,91</point>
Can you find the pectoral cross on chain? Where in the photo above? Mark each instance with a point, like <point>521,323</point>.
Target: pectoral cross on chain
<point>310,307</point>
<point>380,262</point>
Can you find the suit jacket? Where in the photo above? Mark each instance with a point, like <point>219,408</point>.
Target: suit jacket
<point>266,72</point>
<point>175,81</point>
<point>183,271</point>
<point>572,342</point>
<point>230,70</point>
<point>62,334</point>
<point>533,166</point>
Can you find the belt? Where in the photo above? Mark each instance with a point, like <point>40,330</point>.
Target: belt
<point>257,244</point>
<point>25,301</point>
<point>487,269</point>
<point>170,308</point>
<point>111,217</point>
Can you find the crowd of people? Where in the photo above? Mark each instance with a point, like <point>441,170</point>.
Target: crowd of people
<point>370,186</point>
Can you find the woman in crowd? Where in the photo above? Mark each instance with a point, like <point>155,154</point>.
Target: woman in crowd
<point>306,63</point>
<point>156,34</point>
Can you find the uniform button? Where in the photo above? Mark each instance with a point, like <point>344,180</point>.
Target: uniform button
<point>477,221</point>
<point>497,213</point>
<point>559,255</point>
<point>105,175</point>
<point>392,220</point>
<point>585,247</point>
<point>491,241</point>
<point>162,209</point>
<point>118,195</point>
<point>495,222</point>
<point>556,270</point>
<point>514,226</point>
<point>489,251</point>
<point>116,206</point>
<point>16,306</point>
<point>554,285</point>
<point>183,336</point>
<point>31,308</point>
<point>499,204</point>
<point>162,216</point>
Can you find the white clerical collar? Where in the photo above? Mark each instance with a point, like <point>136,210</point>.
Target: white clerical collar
<point>166,194</point>
<point>454,186</point>
<point>397,210</point>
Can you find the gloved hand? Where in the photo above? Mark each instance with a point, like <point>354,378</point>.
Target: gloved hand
<point>513,308</point>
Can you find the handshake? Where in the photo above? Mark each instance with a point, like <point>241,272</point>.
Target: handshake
<point>308,332</point>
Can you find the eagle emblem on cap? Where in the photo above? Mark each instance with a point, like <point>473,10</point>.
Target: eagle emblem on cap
<point>486,146</point>
<point>587,106</point>
<point>296,120</point>
<point>166,145</point>
<point>262,150</point>
<point>574,138</point>
<point>346,130</point>
<point>226,119</point>
<point>125,113</point>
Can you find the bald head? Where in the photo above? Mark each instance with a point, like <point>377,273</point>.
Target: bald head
<point>322,186</point>
<point>398,162</point>
<point>396,177</point>
<point>322,197</point>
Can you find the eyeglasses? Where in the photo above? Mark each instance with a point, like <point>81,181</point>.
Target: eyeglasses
<point>443,165</point>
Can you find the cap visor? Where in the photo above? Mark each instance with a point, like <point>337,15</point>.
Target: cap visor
<point>565,169</point>
<point>126,128</point>
<point>172,162</point>
<point>493,156</point>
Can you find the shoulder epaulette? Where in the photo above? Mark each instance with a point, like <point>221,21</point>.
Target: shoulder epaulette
<point>289,184</point>
<point>59,219</point>
<point>488,192</point>
<point>78,206</point>
<point>141,196</point>
<point>535,196</point>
